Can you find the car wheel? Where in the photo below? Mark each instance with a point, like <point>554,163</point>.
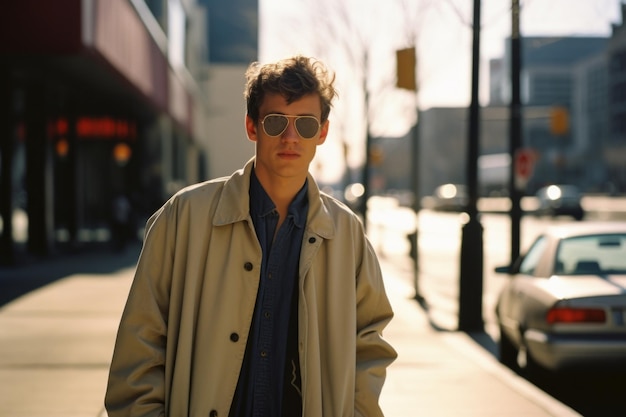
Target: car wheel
<point>508,351</point>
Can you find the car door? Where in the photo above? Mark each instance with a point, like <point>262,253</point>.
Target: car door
<point>513,301</point>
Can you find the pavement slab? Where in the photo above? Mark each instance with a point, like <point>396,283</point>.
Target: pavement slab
<point>56,344</point>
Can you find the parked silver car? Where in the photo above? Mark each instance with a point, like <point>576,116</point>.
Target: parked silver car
<point>564,306</point>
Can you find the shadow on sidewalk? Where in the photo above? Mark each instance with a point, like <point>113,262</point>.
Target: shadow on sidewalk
<point>481,338</point>
<point>18,280</point>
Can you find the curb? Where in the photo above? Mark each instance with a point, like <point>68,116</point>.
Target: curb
<point>465,345</point>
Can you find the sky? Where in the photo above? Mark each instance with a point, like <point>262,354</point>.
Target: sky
<point>537,18</point>
<point>442,32</point>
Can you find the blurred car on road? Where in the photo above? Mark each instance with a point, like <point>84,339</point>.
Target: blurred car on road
<point>560,200</point>
<point>564,304</point>
<point>450,197</point>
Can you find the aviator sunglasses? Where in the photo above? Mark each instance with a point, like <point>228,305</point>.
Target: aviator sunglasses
<point>306,126</point>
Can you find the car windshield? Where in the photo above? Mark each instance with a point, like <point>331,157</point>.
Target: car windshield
<point>594,254</point>
<point>533,256</point>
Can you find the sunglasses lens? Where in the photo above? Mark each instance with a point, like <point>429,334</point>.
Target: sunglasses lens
<point>274,125</point>
<point>307,126</point>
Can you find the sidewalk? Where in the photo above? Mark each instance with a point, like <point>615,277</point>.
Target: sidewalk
<point>56,344</point>
<point>445,374</point>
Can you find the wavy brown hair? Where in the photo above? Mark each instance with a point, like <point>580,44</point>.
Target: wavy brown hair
<point>292,78</point>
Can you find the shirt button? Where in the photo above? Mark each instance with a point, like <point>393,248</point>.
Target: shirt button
<point>248,266</point>
<point>263,354</point>
<point>234,337</point>
<point>267,314</point>
<point>312,240</point>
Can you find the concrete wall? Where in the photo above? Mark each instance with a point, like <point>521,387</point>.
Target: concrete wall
<point>228,147</point>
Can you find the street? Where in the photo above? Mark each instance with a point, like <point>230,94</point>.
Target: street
<point>56,343</point>
<point>439,234</point>
<point>73,304</point>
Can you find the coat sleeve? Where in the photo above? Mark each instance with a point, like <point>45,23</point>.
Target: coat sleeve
<point>373,353</point>
<point>136,384</point>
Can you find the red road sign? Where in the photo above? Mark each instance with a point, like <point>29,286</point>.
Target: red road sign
<point>524,164</point>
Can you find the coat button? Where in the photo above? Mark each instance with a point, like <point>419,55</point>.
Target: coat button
<point>311,240</point>
<point>213,413</point>
<point>248,266</point>
<point>234,337</point>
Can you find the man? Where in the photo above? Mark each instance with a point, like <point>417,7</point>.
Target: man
<point>256,294</point>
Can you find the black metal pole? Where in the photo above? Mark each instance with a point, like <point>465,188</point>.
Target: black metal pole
<point>7,250</point>
<point>515,139</point>
<point>366,178</point>
<point>368,148</point>
<point>471,279</point>
<point>415,178</point>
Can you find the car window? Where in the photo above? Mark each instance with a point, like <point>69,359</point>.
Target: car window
<point>531,259</point>
<point>597,254</point>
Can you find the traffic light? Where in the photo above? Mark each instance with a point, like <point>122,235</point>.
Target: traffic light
<point>377,155</point>
<point>559,121</point>
<point>406,63</point>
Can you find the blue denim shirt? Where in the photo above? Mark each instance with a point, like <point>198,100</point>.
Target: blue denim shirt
<point>270,371</point>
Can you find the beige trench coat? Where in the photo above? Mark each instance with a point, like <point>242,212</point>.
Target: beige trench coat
<point>183,333</point>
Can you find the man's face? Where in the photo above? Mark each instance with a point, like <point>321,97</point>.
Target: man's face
<point>286,155</point>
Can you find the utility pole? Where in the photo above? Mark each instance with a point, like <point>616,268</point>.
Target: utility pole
<point>515,139</point>
<point>415,186</point>
<point>471,279</point>
<point>7,249</point>
<point>406,69</point>
<point>368,147</point>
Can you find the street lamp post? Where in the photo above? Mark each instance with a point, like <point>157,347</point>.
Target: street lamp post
<point>515,130</point>
<point>471,279</point>
<point>406,69</point>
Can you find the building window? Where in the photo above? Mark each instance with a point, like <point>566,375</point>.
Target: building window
<point>549,90</point>
<point>618,62</point>
<point>158,10</point>
<point>618,128</point>
<point>618,93</point>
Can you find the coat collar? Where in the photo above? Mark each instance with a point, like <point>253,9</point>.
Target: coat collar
<point>234,204</point>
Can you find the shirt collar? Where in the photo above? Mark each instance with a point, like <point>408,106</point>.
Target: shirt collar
<point>262,205</point>
<point>299,206</point>
<point>234,203</point>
